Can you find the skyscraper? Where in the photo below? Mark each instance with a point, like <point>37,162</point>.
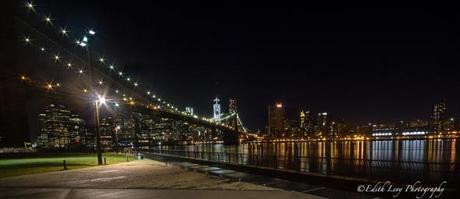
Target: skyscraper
<point>276,116</point>
<point>305,123</point>
<point>59,128</point>
<point>216,109</point>
<point>439,115</point>
<point>321,127</point>
<point>439,111</point>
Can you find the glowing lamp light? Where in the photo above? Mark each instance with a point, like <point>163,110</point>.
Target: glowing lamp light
<point>101,99</point>
<point>27,40</point>
<point>56,57</point>
<point>101,59</point>
<point>120,73</point>
<point>82,44</point>
<point>42,49</point>
<point>148,92</point>
<point>117,105</point>
<point>128,79</point>
<point>136,84</point>
<point>80,71</point>
<point>279,105</point>
<point>85,39</point>
<point>49,86</point>
<point>85,90</point>
<point>64,31</point>
<point>111,67</point>
<point>91,32</point>
<point>100,82</point>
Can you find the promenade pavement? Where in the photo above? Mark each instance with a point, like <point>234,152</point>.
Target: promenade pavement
<point>136,179</point>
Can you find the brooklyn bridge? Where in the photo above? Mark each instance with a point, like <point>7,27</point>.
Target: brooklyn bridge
<point>70,66</point>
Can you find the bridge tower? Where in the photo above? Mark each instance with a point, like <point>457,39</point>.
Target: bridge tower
<point>232,109</point>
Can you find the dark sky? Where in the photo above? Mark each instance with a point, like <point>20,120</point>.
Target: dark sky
<point>359,65</point>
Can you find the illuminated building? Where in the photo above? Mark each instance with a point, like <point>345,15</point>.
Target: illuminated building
<point>438,115</point>
<point>216,109</point>
<point>321,127</point>
<point>107,126</point>
<point>59,129</point>
<point>439,111</point>
<point>276,117</point>
<point>78,131</point>
<point>305,123</point>
<point>189,110</point>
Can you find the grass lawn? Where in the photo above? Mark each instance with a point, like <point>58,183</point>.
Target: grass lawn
<point>39,163</point>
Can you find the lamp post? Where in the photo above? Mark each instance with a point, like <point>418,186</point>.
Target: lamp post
<point>99,101</point>
<point>116,137</point>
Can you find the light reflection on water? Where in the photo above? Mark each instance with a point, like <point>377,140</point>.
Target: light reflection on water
<point>430,160</point>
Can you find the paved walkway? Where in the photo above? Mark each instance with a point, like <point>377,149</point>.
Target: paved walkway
<point>137,179</point>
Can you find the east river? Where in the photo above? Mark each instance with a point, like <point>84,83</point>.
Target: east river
<point>430,161</point>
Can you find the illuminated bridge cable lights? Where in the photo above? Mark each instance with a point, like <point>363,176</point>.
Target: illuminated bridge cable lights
<point>49,20</point>
<point>103,61</point>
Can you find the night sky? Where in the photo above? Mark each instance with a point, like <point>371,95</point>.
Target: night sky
<point>360,65</point>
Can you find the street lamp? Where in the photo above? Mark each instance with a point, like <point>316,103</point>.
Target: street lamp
<point>116,136</point>
<point>100,100</point>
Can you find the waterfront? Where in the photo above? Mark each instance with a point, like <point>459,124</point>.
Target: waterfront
<point>430,161</point>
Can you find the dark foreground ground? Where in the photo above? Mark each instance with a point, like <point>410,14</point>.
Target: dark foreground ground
<point>136,179</point>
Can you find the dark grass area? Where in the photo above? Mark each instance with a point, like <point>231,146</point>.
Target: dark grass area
<point>22,164</point>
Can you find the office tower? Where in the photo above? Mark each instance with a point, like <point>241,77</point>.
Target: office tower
<point>216,109</point>
<point>58,127</point>
<point>276,117</point>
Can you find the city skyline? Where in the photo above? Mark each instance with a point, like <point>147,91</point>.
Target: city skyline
<point>193,100</point>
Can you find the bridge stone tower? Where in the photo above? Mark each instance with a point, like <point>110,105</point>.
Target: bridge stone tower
<point>232,109</point>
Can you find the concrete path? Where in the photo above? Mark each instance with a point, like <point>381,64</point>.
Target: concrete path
<point>137,179</point>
